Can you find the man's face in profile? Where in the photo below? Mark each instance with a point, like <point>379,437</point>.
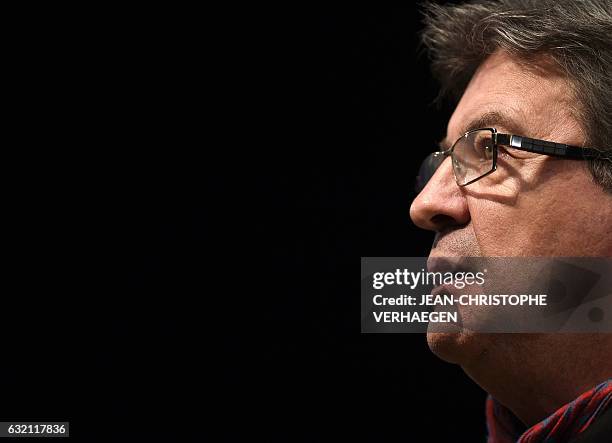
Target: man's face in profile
<point>533,204</point>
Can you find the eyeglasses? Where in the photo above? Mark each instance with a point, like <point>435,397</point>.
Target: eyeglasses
<point>474,155</point>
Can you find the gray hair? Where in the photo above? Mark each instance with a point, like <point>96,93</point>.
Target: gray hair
<point>576,35</point>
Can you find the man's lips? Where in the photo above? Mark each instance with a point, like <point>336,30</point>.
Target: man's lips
<point>444,289</point>
<point>442,264</point>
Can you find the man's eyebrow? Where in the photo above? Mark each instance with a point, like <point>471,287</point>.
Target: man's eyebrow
<point>492,119</point>
<point>487,120</point>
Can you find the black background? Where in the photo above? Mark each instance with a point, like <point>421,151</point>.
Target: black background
<point>190,263</point>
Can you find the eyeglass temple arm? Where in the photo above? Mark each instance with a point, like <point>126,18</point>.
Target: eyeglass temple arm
<point>548,148</point>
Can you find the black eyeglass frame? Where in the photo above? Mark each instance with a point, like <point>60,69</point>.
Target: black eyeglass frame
<point>525,144</point>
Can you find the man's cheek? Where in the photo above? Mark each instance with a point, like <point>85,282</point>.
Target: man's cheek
<point>495,231</point>
<point>503,186</point>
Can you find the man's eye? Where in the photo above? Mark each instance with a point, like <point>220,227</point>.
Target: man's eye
<point>484,146</point>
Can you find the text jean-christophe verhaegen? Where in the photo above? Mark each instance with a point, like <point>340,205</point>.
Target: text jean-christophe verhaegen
<point>446,281</point>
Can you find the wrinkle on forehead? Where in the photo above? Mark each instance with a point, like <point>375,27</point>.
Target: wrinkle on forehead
<point>536,99</point>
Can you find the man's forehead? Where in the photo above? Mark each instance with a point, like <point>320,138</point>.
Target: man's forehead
<point>506,93</point>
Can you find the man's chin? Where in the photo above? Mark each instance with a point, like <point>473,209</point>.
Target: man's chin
<point>460,347</point>
<point>445,345</point>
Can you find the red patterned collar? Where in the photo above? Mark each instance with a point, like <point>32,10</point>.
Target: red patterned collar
<point>565,424</point>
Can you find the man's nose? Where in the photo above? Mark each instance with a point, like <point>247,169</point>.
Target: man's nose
<point>441,203</point>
